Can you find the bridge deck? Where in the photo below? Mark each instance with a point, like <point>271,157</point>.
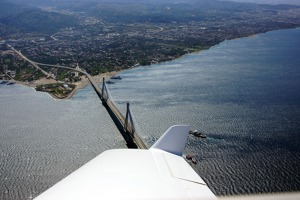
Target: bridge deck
<point>114,111</point>
<point>134,137</point>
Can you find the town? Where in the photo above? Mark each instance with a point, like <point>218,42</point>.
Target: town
<point>111,43</point>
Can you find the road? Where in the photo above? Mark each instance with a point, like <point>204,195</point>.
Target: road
<point>31,62</point>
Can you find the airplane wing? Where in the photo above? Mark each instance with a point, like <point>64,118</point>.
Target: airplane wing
<point>158,173</point>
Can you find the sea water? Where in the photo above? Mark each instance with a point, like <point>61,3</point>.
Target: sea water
<point>244,94</point>
<point>42,140</point>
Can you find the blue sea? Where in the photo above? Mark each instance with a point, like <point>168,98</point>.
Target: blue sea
<point>243,93</point>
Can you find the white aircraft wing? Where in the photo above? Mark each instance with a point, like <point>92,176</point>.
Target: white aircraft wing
<point>158,173</point>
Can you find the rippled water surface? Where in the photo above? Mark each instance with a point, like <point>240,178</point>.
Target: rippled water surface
<point>243,93</point>
<point>43,140</point>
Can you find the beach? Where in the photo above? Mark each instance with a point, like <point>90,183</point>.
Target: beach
<point>79,84</point>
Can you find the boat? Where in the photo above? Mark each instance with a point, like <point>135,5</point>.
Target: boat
<point>11,83</point>
<point>189,157</point>
<point>4,82</point>
<point>116,77</point>
<point>194,161</point>
<point>110,82</point>
<point>197,133</point>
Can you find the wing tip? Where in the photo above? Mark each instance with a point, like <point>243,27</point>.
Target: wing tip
<point>173,140</point>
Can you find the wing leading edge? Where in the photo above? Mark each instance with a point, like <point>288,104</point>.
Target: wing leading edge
<point>158,173</point>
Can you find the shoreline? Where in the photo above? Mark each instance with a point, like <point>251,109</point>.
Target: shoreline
<point>98,78</point>
<point>85,82</point>
<point>79,85</point>
<point>107,75</point>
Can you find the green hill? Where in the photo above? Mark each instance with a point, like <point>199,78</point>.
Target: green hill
<point>28,19</point>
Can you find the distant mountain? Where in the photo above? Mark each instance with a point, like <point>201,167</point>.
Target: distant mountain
<point>41,3</point>
<point>291,2</point>
<point>7,8</point>
<point>130,11</point>
<point>59,2</point>
<point>29,19</point>
<point>20,16</point>
<point>38,21</point>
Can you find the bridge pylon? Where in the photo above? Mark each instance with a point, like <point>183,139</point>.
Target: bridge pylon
<point>105,95</point>
<point>129,125</point>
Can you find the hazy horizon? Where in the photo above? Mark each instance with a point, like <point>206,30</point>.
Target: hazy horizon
<point>293,2</point>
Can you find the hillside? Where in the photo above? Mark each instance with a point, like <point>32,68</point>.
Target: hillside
<point>24,19</point>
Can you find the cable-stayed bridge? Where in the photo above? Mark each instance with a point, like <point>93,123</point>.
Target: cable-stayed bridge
<point>125,124</point>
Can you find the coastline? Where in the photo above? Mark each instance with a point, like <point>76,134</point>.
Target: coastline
<point>98,78</point>
<point>79,85</point>
<point>84,81</point>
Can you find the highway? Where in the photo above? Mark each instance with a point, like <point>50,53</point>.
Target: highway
<point>31,62</point>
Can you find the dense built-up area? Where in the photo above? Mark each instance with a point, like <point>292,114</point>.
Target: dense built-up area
<point>101,38</point>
